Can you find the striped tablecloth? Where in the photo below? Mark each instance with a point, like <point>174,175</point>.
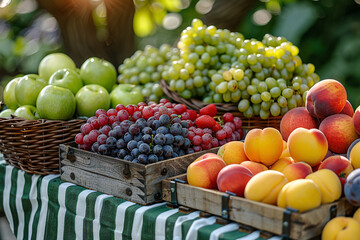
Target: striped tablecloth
<point>40,207</point>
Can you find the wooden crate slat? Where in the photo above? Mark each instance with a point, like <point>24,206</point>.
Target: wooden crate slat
<point>103,184</point>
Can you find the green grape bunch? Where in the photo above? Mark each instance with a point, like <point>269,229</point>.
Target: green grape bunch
<point>264,78</point>
<point>144,69</point>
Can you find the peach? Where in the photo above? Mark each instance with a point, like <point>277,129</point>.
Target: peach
<point>295,118</point>
<point>356,215</point>
<point>329,184</point>
<point>356,120</point>
<point>254,167</point>
<point>263,145</point>
<point>265,186</point>
<point>339,131</point>
<point>232,152</point>
<point>208,155</point>
<point>203,173</point>
<point>325,98</point>
<point>308,146</point>
<point>233,178</point>
<point>341,228</point>
<point>301,194</point>
<point>339,165</point>
<point>298,170</point>
<point>348,109</point>
<point>280,164</point>
<point>353,154</point>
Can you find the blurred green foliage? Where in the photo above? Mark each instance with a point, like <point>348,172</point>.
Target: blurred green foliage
<point>327,33</point>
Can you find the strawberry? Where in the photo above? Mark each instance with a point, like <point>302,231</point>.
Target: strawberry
<point>216,127</point>
<point>192,113</point>
<point>205,121</point>
<point>209,110</point>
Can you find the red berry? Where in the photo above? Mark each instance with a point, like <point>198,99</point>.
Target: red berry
<point>216,127</point>
<point>191,135</point>
<point>87,140</point>
<point>156,108</point>
<point>199,131</point>
<point>228,139</point>
<point>101,139</point>
<point>231,125</point>
<point>171,111</point>
<point>152,104</point>
<point>192,128</point>
<point>185,116</point>
<point>209,110</point>
<point>221,134</point>
<point>113,119</point>
<point>214,142</point>
<point>131,109</point>
<point>99,112</point>
<point>93,135</point>
<point>238,123</point>
<point>233,137</point>
<point>197,140</point>
<point>180,108</point>
<point>86,128</point>
<point>79,138</point>
<point>95,123</point>
<point>206,139</point>
<point>228,117</point>
<point>241,132</point>
<point>237,136</point>
<point>136,115</point>
<point>90,119</point>
<point>120,107</point>
<point>205,121</point>
<point>147,112</point>
<point>86,147</point>
<point>141,104</point>
<point>163,110</point>
<point>197,148</point>
<point>190,122</point>
<point>111,112</point>
<point>157,115</point>
<point>105,130</point>
<point>228,131</point>
<point>206,146</point>
<point>123,115</point>
<point>164,100</point>
<point>103,120</point>
<point>141,108</point>
<point>193,114</point>
<point>207,130</point>
<point>222,142</point>
<point>168,105</point>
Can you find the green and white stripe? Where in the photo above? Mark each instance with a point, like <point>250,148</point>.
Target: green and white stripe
<point>44,207</point>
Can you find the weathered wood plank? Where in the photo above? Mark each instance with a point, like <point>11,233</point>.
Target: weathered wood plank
<point>262,216</point>
<point>103,184</point>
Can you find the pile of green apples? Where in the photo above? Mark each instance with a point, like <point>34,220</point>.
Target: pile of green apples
<point>61,91</point>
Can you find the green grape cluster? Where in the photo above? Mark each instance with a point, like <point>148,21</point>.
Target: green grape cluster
<point>203,51</point>
<point>144,69</point>
<point>265,78</point>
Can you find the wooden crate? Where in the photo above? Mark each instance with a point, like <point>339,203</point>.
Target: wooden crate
<point>262,216</point>
<point>131,181</point>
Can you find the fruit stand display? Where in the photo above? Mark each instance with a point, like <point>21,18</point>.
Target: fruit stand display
<point>238,128</point>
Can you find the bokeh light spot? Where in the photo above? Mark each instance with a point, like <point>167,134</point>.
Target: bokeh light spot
<point>204,6</point>
<point>172,21</point>
<point>262,17</point>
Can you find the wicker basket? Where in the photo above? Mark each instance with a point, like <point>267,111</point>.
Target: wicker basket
<point>33,145</point>
<point>248,123</point>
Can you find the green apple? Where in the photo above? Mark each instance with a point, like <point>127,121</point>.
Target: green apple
<point>9,94</point>
<point>28,89</point>
<point>91,98</point>
<point>53,62</point>
<point>126,94</point>
<point>67,78</point>
<point>7,113</point>
<point>98,71</point>
<point>28,112</point>
<point>56,103</point>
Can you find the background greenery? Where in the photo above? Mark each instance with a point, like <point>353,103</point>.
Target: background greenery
<point>327,33</point>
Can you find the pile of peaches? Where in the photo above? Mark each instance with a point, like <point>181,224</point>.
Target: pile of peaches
<point>314,159</point>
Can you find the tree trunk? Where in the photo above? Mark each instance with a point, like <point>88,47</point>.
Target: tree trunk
<point>82,39</point>
<point>228,13</point>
